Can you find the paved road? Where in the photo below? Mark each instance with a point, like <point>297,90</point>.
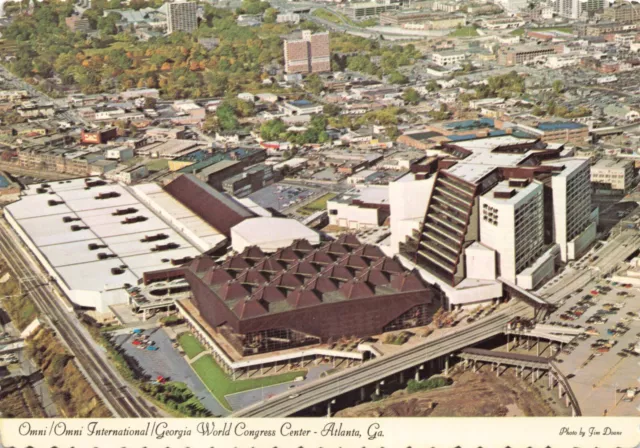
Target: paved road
<point>91,359</point>
<point>325,389</point>
<point>241,400</point>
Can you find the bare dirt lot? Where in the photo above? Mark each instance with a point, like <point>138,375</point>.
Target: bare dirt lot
<point>472,395</point>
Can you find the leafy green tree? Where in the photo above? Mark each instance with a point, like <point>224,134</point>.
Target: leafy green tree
<point>331,110</point>
<point>314,84</point>
<point>272,129</point>
<point>270,15</point>
<point>226,117</point>
<point>397,78</point>
<point>410,95</point>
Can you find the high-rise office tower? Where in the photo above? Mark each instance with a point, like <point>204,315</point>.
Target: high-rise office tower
<point>182,16</point>
<point>310,54</point>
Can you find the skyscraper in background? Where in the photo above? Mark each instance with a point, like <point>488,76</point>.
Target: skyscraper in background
<point>182,16</point>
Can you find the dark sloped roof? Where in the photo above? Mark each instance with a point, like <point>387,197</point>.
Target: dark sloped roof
<point>348,239</point>
<point>236,263</point>
<point>269,265</point>
<point>407,281</point>
<point>269,294</point>
<point>253,253</point>
<point>369,251</point>
<point>232,290</point>
<point>201,264</point>
<point>387,265</point>
<point>303,297</point>
<point>218,209</point>
<point>356,290</point>
<point>302,246</point>
<point>217,277</point>
<point>252,276</point>
<point>249,308</point>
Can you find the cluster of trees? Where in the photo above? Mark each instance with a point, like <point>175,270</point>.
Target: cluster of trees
<point>70,391</point>
<point>178,397</point>
<point>315,131</point>
<point>356,53</point>
<point>177,64</point>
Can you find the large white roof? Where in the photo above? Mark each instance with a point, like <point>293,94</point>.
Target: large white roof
<point>270,234</point>
<point>67,251</point>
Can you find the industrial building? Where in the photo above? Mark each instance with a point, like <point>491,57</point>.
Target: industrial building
<point>97,238</point>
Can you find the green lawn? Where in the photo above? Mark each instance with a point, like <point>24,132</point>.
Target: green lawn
<point>317,205</point>
<point>191,346</point>
<point>466,31</point>
<point>562,29</point>
<point>221,385</point>
<point>125,46</point>
<point>335,17</point>
<point>158,165</point>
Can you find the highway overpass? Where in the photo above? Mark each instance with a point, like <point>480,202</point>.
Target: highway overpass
<point>323,391</point>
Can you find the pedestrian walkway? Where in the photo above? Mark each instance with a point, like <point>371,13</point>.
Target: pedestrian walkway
<point>198,356</point>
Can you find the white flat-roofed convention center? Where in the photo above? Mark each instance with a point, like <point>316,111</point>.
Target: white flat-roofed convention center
<point>95,236</point>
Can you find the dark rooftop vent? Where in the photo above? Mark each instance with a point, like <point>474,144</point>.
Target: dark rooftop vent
<point>504,194</point>
<point>117,271</point>
<point>53,202</point>
<point>107,195</point>
<point>94,183</point>
<point>70,219</point>
<point>95,246</point>
<point>44,185</point>
<point>104,256</point>
<point>180,261</point>
<point>518,183</point>
<point>168,246</point>
<point>134,219</point>
<point>41,190</point>
<point>75,228</point>
<point>124,211</point>
<point>156,237</point>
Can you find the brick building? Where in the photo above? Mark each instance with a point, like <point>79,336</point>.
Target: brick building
<point>310,54</point>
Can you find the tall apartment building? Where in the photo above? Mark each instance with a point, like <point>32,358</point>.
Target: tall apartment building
<point>310,54</point>
<point>573,225</point>
<point>512,224</point>
<point>182,16</point>
<point>623,12</point>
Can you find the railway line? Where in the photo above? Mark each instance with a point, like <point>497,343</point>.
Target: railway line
<point>112,389</point>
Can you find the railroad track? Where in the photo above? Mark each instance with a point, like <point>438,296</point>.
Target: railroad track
<point>113,390</point>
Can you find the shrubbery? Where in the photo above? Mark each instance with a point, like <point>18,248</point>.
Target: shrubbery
<point>431,383</point>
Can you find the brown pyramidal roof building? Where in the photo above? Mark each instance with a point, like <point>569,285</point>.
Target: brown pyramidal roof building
<point>302,295</point>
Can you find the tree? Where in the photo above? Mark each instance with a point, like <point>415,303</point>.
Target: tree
<point>432,86</point>
<point>397,78</point>
<point>272,129</point>
<point>314,84</point>
<point>226,117</point>
<point>270,15</point>
<point>411,96</point>
<point>557,86</point>
<point>331,110</point>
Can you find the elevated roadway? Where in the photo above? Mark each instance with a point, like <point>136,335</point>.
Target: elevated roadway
<point>327,388</point>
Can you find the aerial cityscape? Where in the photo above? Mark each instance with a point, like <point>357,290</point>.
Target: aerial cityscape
<point>317,208</point>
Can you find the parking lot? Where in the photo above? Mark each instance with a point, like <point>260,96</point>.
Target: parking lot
<point>167,362</point>
<point>602,364</point>
<point>282,196</point>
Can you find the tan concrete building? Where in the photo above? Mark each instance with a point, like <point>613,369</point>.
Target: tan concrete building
<point>310,54</point>
<point>614,174</point>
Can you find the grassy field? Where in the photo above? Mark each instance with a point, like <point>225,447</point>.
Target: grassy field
<point>341,19</point>
<point>124,46</point>
<point>221,385</point>
<point>562,29</point>
<point>192,347</point>
<point>317,205</point>
<point>158,165</point>
<point>466,31</point>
